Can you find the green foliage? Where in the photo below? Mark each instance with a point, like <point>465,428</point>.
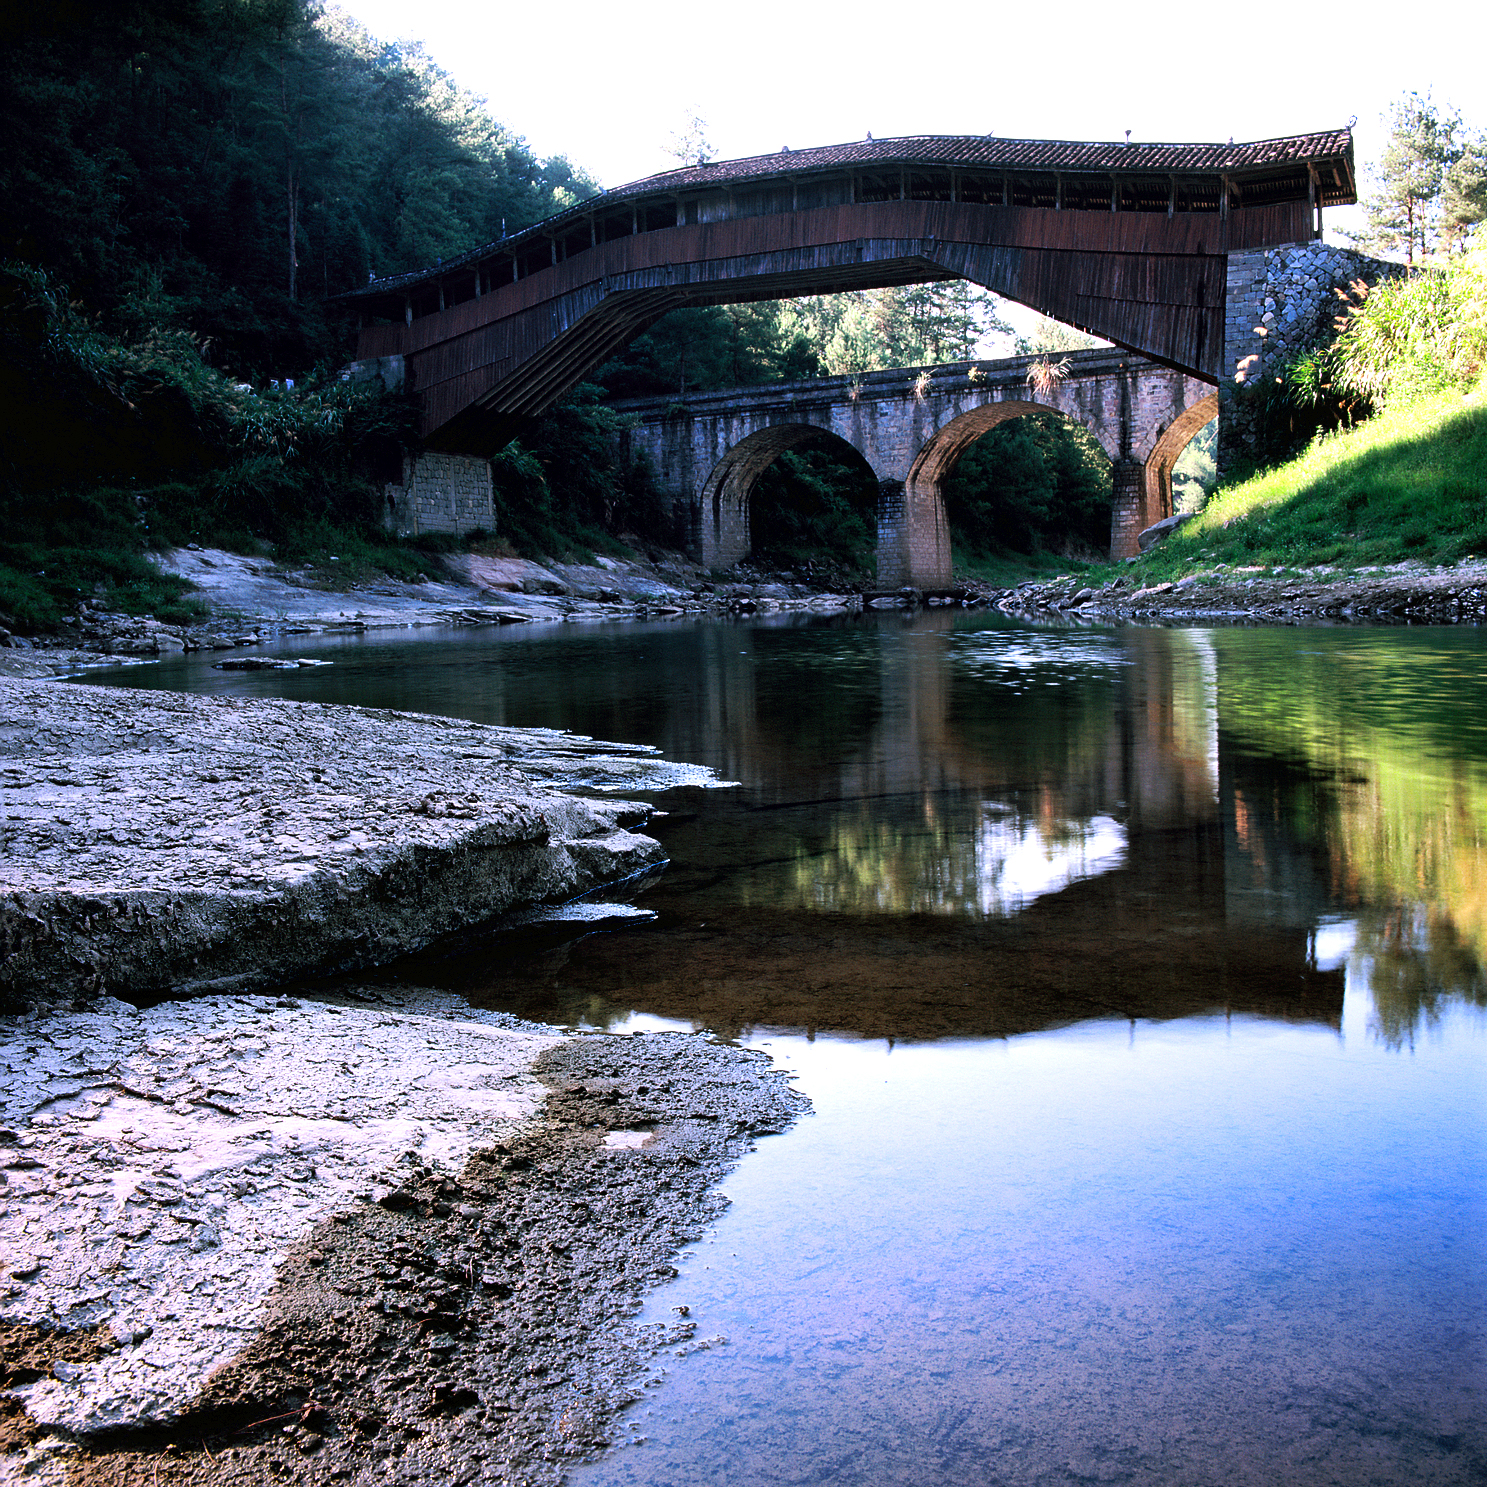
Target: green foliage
<point>221,166</point>
<point>1416,335</point>
<point>1196,470</point>
<point>1031,484</point>
<point>108,448</point>
<point>561,489</point>
<point>814,511</point>
<point>74,546</point>
<point>1429,187</point>
<point>1464,195</point>
<point>713,346</point>
<point>903,326</point>
<point>697,350</point>
<point>83,407</point>
<point>1408,483</point>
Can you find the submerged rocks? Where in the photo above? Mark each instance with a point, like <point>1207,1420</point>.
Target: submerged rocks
<point>156,842</point>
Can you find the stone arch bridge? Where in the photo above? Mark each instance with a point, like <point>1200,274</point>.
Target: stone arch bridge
<point>911,426</point>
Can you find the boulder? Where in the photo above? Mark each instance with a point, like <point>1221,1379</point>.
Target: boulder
<point>1159,530</point>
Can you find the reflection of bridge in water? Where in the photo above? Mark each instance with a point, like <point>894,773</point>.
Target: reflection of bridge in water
<point>1037,829</point>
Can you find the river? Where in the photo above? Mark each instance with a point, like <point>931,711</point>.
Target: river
<point>1136,979</point>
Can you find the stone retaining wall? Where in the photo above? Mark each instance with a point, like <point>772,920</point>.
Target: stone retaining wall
<point>442,493</point>
<point>1281,302</point>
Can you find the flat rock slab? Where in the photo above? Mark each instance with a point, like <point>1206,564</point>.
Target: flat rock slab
<point>156,842</point>
<point>158,1164</point>
<point>253,1240</point>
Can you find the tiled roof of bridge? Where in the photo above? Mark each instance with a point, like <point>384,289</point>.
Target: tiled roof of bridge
<point>987,152</point>
<point>968,151</point>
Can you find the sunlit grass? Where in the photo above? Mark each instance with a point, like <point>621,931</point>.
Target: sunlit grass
<point>1410,483</point>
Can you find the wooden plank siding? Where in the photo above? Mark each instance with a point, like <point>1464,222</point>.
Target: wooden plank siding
<point>1146,280</point>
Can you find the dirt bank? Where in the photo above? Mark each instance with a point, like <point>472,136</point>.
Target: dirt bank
<point>362,1238</point>
<point>155,842</point>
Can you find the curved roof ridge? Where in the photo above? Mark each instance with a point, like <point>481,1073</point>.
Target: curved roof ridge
<point>968,151</point>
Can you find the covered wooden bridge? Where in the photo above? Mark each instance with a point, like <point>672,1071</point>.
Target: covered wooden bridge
<point>1130,242</point>
<point>1126,241</point>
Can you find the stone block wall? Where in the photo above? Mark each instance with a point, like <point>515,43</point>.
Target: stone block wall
<point>442,493</point>
<point>1281,301</point>
<point>1130,509</point>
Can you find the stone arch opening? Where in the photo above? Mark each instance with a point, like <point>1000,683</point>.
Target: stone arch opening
<point>923,491</point>
<point>725,535</point>
<point>1157,475</point>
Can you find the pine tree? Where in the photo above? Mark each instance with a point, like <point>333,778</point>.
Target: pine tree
<point>1404,211</point>
<point>1464,195</point>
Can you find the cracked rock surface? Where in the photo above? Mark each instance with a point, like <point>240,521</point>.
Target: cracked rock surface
<point>450,1300</point>
<point>152,841</point>
<point>157,1164</point>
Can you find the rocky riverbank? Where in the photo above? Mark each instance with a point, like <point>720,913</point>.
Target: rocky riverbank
<point>345,1237</point>
<point>1403,593</point>
<point>159,843</point>
<point>340,1235</point>
<point>253,600</point>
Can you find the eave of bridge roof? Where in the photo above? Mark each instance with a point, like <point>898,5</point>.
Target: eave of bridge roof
<point>968,152</point>
<point>978,152</point>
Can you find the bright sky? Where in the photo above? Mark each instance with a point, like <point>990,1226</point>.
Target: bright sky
<point>607,84</point>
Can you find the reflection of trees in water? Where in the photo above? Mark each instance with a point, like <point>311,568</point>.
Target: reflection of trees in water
<point>1365,751</point>
<point>963,857</point>
<point>1344,771</point>
<point>1416,967</point>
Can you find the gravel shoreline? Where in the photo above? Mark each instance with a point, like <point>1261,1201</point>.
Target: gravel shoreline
<point>1402,593</point>
<point>251,601</point>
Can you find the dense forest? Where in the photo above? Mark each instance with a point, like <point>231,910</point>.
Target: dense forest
<point>188,184</point>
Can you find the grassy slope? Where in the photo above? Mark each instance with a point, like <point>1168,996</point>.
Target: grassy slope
<point>1409,483</point>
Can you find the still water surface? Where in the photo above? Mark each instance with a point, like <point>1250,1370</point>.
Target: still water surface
<point>1136,979</point>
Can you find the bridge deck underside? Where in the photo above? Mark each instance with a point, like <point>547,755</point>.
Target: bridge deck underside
<point>1148,282</point>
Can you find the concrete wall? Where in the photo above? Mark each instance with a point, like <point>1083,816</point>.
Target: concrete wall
<point>441,493</point>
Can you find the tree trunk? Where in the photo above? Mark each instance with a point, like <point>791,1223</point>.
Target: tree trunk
<point>292,191</point>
